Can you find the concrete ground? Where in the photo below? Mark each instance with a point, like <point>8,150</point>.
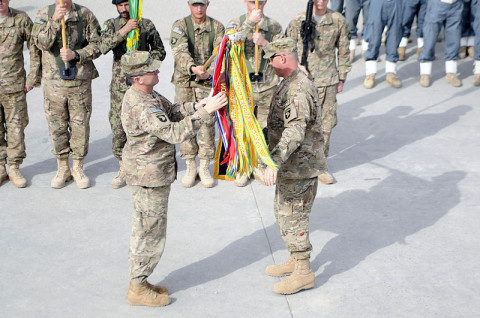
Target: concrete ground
<point>396,236</point>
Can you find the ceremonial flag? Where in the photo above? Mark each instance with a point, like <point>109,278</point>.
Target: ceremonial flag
<point>135,7</point>
<point>242,140</point>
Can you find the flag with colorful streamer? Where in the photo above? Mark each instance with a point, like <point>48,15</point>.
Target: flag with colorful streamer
<point>242,140</point>
<point>133,37</point>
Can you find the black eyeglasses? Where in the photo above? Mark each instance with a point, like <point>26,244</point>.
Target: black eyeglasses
<point>274,55</point>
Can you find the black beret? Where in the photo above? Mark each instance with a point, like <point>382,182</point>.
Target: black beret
<point>118,1</point>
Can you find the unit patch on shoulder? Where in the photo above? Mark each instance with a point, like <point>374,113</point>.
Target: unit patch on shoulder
<point>289,113</point>
<point>173,41</point>
<point>104,27</point>
<point>232,26</point>
<point>40,21</point>
<point>177,30</point>
<point>160,114</point>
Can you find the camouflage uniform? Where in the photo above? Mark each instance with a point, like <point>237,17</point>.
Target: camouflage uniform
<point>330,33</point>
<point>153,125</point>
<point>14,31</point>
<point>68,103</point>
<point>296,145</point>
<point>263,92</point>
<point>112,40</point>
<point>187,90</point>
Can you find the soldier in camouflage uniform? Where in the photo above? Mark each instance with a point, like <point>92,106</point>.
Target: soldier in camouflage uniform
<point>193,39</point>
<point>264,86</point>
<point>153,126</point>
<point>114,38</point>
<point>295,139</point>
<point>15,29</point>
<point>68,103</point>
<point>331,32</point>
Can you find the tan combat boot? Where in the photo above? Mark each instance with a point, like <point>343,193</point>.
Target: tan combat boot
<point>143,295</point>
<point>188,179</point>
<point>241,180</point>
<point>419,50</point>
<point>301,278</point>
<point>63,174</point>
<point>476,80</point>
<point>3,174</point>
<point>425,80</point>
<point>16,177</point>
<point>471,51</point>
<point>393,80</point>
<point>204,173</point>
<point>401,53</point>
<point>453,80</point>
<point>78,174</point>
<point>119,180</point>
<point>462,52</point>
<point>326,178</point>
<point>280,270</point>
<point>369,81</point>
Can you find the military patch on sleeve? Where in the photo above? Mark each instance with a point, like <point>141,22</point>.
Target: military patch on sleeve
<point>289,113</point>
<point>159,114</point>
<point>40,21</point>
<point>232,26</point>
<point>173,41</point>
<point>104,27</point>
<point>177,30</point>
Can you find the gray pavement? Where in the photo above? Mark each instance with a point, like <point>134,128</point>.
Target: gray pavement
<point>396,236</point>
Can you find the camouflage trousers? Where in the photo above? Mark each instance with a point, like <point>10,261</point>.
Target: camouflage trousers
<point>292,205</point>
<point>68,111</point>
<point>262,105</point>
<point>149,229</point>
<point>119,138</point>
<point>204,144</point>
<point>328,100</point>
<point>13,120</point>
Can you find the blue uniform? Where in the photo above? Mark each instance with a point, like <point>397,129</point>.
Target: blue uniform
<point>352,11</point>
<point>410,9</point>
<point>384,13</point>
<point>476,27</point>
<point>442,14</point>
<point>336,5</point>
<point>467,19</point>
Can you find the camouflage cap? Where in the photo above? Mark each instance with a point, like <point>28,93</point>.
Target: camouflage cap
<point>139,61</point>
<point>198,1</point>
<point>283,45</point>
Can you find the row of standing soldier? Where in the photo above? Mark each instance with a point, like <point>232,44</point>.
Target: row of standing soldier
<point>68,102</point>
<point>460,19</point>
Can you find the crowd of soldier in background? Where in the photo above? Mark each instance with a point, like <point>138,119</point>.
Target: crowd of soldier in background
<point>68,102</point>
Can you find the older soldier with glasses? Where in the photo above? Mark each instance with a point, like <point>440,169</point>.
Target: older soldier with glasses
<point>153,126</point>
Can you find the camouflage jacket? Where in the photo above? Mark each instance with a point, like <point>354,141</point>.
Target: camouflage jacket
<point>112,40</point>
<point>330,34</point>
<point>295,128</point>
<point>153,126</point>
<point>16,30</point>
<point>46,32</point>
<point>183,59</point>
<point>247,29</point>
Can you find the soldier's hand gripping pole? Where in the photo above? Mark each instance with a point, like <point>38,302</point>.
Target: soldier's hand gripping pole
<point>67,73</point>
<point>307,32</point>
